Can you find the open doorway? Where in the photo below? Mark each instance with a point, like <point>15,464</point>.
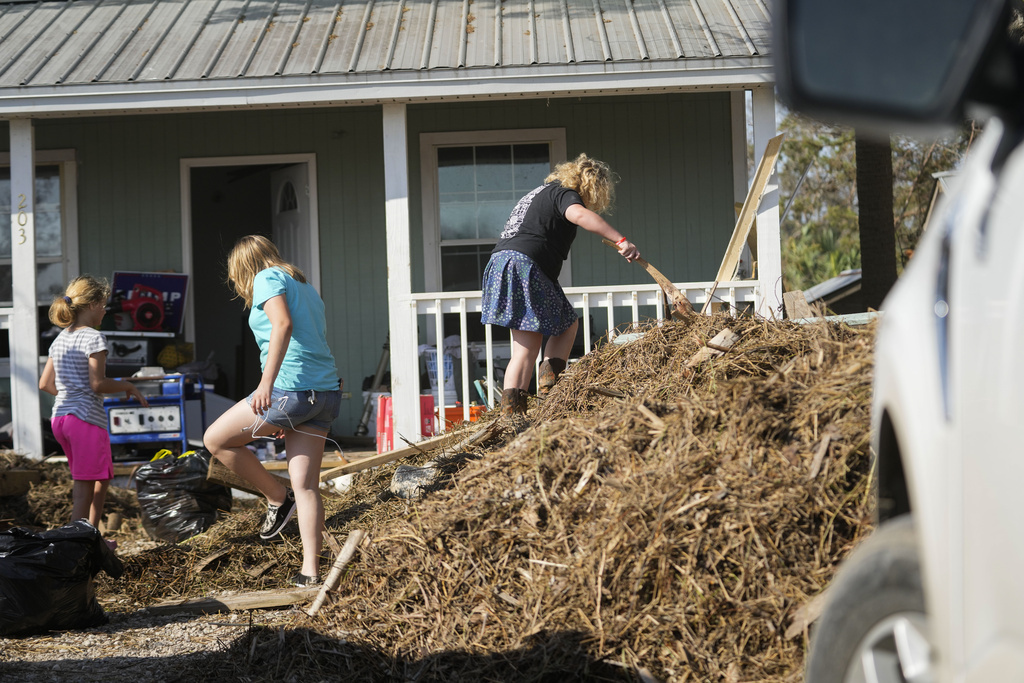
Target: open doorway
<point>224,199</point>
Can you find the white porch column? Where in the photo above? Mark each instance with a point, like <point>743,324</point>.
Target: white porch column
<point>24,332</point>
<point>405,371</point>
<point>740,169</point>
<point>769,239</point>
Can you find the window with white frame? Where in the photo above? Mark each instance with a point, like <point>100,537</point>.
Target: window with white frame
<point>471,182</point>
<point>55,226</point>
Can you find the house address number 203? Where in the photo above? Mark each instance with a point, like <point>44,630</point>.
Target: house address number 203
<point>22,219</point>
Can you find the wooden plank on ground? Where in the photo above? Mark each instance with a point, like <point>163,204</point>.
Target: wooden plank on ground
<point>17,482</point>
<point>382,458</point>
<point>482,434</point>
<point>220,474</point>
<point>283,597</point>
<point>328,463</point>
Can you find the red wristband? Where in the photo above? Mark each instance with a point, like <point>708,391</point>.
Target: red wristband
<point>619,243</point>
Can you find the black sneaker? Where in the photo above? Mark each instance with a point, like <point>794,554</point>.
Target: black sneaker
<point>304,581</point>
<point>277,517</point>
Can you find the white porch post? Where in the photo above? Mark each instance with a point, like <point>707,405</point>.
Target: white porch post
<point>769,239</point>
<point>24,332</point>
<point>740,167</point>
<point>405,373</point>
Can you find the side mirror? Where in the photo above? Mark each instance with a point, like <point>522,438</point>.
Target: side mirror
<point>889,63</point>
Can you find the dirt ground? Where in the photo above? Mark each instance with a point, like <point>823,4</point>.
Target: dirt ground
<point>663,515</point>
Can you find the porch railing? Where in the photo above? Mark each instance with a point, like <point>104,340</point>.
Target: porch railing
<point>606,308</point>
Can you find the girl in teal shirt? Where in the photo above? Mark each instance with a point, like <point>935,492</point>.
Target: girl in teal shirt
<point>299,393</point>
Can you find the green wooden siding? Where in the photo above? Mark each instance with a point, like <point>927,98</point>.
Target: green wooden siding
<point>130,207</point>
<point>675,200</point>
<point>673,154</point>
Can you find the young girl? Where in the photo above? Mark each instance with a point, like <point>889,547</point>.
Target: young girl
<point>76,373</point>
<point>520,283</point>
<point>298,393</point>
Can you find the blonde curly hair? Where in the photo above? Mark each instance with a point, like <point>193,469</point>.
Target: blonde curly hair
<point>592,179</point>
<point>250,255</point>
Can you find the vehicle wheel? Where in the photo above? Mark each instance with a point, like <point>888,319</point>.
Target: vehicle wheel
<point>874,626</point>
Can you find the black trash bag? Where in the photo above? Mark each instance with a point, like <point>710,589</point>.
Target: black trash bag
<point>176,499</point>
<point>46,578</point>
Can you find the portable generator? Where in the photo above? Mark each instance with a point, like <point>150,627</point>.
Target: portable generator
<point>163,420</point>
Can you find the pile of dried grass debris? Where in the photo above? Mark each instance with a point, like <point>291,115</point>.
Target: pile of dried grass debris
<point>653,518</point>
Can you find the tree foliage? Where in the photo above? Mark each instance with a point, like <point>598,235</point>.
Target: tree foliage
<point>820,230</point>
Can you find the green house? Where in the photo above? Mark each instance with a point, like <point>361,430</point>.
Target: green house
<point>381,144</point>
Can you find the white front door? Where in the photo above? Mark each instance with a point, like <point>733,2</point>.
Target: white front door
<point>291,219</point>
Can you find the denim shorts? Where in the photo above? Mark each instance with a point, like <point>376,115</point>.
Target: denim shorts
<point>290,409</point>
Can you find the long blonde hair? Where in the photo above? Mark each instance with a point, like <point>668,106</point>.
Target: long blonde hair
<point>83,291</point>
<point>593,179</point>
<point>250,255</point>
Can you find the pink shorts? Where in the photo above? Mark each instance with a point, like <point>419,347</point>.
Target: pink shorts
<point>87,447</point>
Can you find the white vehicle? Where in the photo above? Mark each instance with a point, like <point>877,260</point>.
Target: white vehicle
<point>937,592</point>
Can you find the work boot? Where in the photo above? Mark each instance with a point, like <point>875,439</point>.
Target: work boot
<point>513,401</point>
<point>548,374</point>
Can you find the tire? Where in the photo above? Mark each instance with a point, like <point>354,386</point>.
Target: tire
<point>874,626</point>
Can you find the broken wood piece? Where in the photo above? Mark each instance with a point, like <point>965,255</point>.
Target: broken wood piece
<point>681,307</point>
<point>656,422</point>
<point>220,474</point>
<point>484,433</point>
<point>796,305</point>
<point>719,344</point>
<point>227,603</point>
<point>261,569</point>
<point>588,474</point>
<point>331,541</point>
<point>334,576</point>
<point>380,459</point>
<point>806,615</point>
<point>819,454</point>
<point>203,563</point>
<point>114,520</point>
<point>509,599</point>
<point>605,391</point>
<point>710,297</point>
<point>18,482</point>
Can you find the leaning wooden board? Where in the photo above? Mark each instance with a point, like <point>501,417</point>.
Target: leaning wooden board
<point>748,212</point>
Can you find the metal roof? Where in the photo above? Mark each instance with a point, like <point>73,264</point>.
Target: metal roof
<point>97,53</point>
<point>840,284</point>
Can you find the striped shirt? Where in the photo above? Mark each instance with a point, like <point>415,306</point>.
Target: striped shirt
<point>70,352</point>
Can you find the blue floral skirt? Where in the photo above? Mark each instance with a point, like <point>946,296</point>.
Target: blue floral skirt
<point>518,295</point>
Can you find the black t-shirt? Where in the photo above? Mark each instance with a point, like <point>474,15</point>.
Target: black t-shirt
<point>538,227</point>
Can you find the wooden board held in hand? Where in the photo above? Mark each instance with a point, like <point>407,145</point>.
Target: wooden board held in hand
<point>680,304</point>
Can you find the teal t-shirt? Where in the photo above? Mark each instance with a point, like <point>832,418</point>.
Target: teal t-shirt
<point>308,363</point>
